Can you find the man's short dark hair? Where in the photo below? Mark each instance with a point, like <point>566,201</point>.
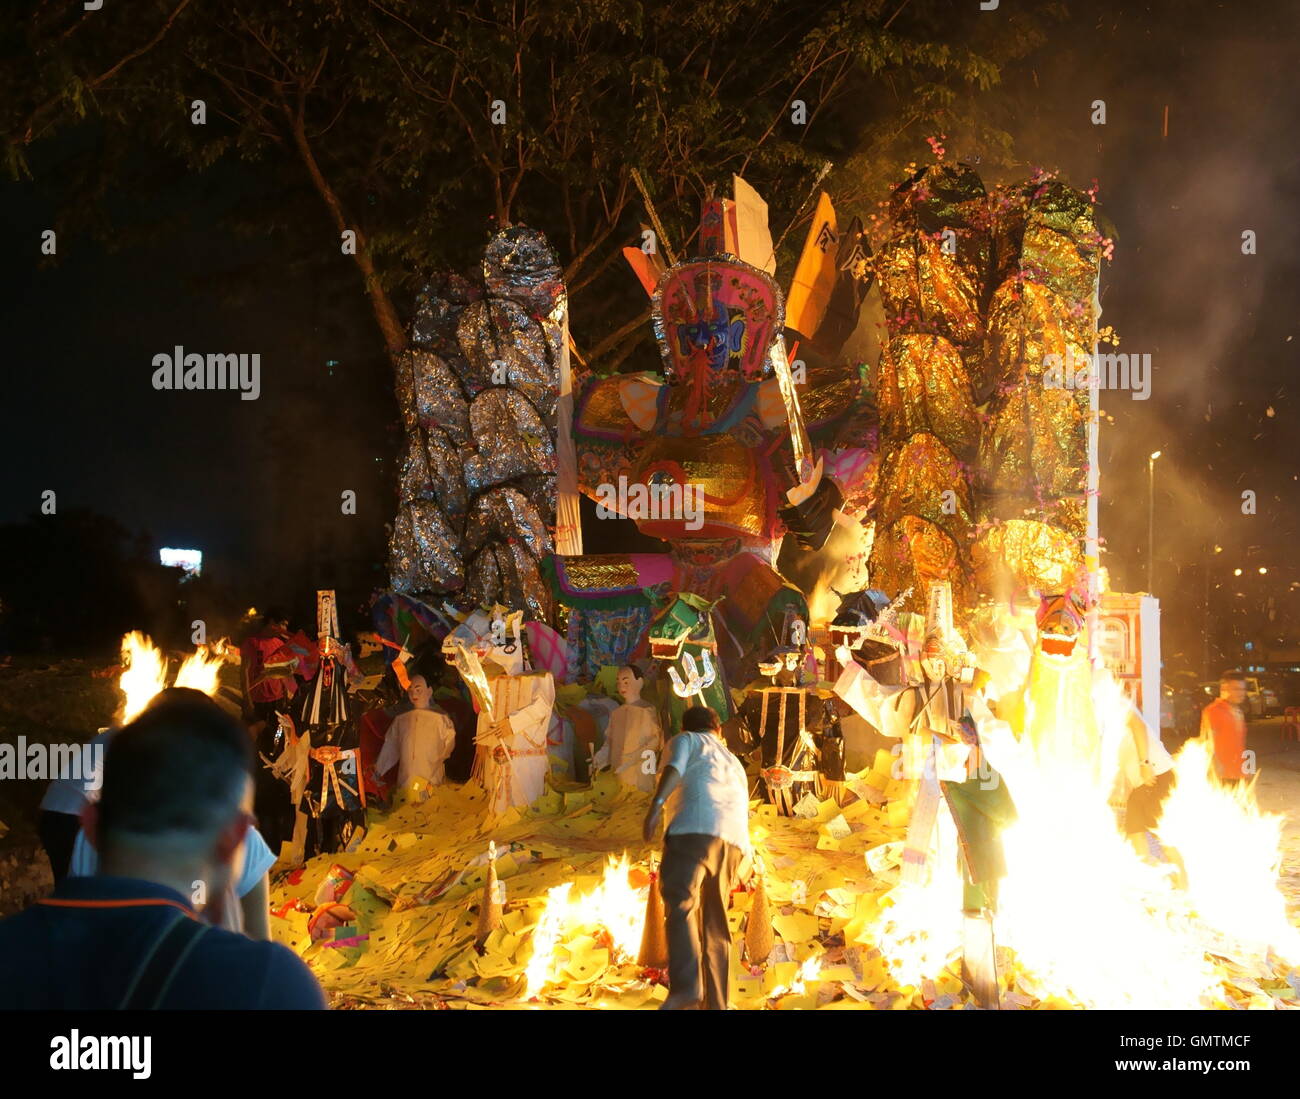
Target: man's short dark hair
<point>1231,677</point>
<point>274,615</point>
<point>175,775</point>
<point>700,719</point>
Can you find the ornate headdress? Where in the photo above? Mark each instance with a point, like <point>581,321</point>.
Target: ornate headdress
<point>717,315</point>
<point>868,616</point>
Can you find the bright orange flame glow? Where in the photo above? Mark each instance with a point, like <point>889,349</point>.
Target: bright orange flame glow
<point>1086,918</point>
<point>614,906</point>
<point>202,668</point>
<point>144,672</point>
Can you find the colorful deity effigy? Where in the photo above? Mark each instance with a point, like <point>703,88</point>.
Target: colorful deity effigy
<point>703,456</point>
<point>982,460</point>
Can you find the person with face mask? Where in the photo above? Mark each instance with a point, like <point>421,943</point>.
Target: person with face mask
<point>170,827</point>
<point>418,741</point>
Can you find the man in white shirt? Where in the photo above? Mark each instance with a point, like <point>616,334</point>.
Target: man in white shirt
<point>1146,771</point>
<point>418,741</point>
<point>61,806</point>
<point>705,851</point>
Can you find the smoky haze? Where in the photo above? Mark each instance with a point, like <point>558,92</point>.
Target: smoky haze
<point>1216,323</point>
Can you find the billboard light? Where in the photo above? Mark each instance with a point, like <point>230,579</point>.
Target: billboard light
<point>191,560</point>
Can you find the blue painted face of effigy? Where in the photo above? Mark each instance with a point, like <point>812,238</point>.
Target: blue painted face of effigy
<point>720,338</point>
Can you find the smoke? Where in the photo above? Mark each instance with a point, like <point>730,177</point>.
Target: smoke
<point>1215,321</point>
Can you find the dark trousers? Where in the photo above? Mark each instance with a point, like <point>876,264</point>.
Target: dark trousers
<point>58,832</point>
<point>1145,804</point>
<point>696,879</point>
<point>272,803</point>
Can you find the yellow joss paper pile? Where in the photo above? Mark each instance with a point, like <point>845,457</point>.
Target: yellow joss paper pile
<point>573,879</point>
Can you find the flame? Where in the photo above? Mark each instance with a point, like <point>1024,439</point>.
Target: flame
<point>202,668</point>
<point>843,566</point>
<point>1231,853</point>
<point>823,603</point>
<point>809,971</point>
<point>144,672</point>
<point>546,937</point>
<point>614,907</point>
<point>1086,918</point>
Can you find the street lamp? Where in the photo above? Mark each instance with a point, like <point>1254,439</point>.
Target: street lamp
<point>1151,520</point>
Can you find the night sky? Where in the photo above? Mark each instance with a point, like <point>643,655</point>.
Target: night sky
<point>192,468</point>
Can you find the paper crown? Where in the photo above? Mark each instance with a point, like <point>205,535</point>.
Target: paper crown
<point>868,615</point>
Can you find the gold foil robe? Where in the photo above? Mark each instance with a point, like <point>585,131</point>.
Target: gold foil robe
<point>1023,556</point>
<point>934,269</point>
<point>910,553</point>
<point>1061,246</point>
<point>1030,329</point>
<point>927,289</point>
<point>966,376</point>
<point>922,387</point>
<point>1035,443</point>
<point>923,478</point>
<point>939,195</point>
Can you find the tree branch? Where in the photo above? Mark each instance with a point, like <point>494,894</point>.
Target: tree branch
<point>390,326</point>
<point>27,128</point>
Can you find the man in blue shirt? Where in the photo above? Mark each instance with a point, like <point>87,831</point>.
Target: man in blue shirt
<point>705,851</point>
<point>170,824</point>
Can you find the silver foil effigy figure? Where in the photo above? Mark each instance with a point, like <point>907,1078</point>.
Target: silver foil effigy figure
<point>478,390</point>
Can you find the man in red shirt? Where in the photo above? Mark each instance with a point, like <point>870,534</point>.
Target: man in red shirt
<point>1223,724</point>
<point>268,682</point>
<point>266,692</point>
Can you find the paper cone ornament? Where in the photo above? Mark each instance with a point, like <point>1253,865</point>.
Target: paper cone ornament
<point>489,909</point>
<point>654,938</point>
<point>759,940</point>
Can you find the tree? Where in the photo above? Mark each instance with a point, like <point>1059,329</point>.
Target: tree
<point>419,127</point>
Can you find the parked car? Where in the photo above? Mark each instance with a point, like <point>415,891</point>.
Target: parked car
<point>1285,685</point>
<point>1269,702</point>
